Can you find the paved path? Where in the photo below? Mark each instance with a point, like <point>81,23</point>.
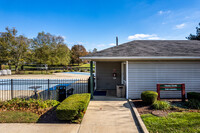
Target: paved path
<point>39,128</point>
<point>104,115</point>
<point>108,115</point>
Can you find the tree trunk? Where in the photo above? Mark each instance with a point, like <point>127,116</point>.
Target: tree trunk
<point>16,69</point>
<point>10,67</point>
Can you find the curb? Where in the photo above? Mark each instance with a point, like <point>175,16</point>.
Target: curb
<point>138,118</point>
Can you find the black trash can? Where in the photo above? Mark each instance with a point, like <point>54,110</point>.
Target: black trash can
<point>61,93</point>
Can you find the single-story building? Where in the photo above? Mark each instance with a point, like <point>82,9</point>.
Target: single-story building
<point>142,64</point>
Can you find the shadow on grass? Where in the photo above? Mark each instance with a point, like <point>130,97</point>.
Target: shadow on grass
<point>50,117</point>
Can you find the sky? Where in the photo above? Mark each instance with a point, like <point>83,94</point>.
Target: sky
<point>96,23</point>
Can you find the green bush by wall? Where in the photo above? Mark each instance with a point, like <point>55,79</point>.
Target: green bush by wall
<point>149,97</point>
<point>193,104</point>
<point>73,107</point>
<point>193,95</point>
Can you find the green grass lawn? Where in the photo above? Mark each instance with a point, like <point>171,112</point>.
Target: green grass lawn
<point>36,72</point>
<point>85,65</point>
<point>178,122</point>
<point>18,117</point>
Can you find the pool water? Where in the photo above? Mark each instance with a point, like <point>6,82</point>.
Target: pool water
<point>21,84</point>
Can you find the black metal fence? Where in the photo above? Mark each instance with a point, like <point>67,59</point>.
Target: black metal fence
<point>43,88</point>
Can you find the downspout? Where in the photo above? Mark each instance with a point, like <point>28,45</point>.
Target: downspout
<point>126,79</point>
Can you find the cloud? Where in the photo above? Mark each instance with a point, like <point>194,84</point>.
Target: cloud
<point>163,12</point>
<point>143,36</point>
<point>180,26</point>
<point>112,44</point>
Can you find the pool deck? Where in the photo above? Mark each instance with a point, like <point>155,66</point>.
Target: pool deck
<point>43,76</point>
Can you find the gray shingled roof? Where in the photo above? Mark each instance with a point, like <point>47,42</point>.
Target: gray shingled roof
<point>151,48</point>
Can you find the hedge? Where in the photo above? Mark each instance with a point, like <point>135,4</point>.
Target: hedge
<point>149,97</point>
<point>193,95</point>
<point>73,107</point>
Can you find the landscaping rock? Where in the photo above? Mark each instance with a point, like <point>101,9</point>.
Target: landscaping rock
<point>160,113</point>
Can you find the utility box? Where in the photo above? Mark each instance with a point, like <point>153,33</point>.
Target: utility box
<point>61,93</point>
<point>120,90</point>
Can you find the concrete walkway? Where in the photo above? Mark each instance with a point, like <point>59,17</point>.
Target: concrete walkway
<point>104,115</point>
<point>38,128</point>
<point>108,115</point>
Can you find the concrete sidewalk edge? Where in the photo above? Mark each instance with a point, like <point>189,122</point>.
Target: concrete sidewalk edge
<point>137,115</point>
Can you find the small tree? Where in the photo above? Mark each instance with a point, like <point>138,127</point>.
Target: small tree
<point>76,52</point>
<point>4,48</point>
<point>195,37</point>
<point>50,49</point>
<point>18,51</point>
<point>13,47</point>
<point>94,50</point>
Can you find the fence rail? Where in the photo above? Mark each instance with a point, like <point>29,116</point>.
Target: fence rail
<point>43,88</point>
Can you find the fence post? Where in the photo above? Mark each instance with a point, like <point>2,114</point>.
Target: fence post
<point>183,92</point>
<point>11,88</point>
<point>89,85</point>
<point>91,79</point>
<point>48,90</point>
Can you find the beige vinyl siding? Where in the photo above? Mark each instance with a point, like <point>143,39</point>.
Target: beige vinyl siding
<point>145,75</point>
<point>104,75</point>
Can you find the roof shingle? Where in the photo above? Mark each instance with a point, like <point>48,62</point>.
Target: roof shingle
<point>151,48</point>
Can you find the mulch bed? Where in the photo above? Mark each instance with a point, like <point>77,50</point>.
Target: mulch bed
<point>179,106</point>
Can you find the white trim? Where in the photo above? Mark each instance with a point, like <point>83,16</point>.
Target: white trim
<point>143,58</point>
<point>122,72</point>
<point>126,79</point>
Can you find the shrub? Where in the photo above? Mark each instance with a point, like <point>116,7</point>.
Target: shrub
<point>58,71</point>
<point>51,72</point>
<point>82,70</point>
<point>193,95</point>
<point>18,103</point>
<point>149,97</point>
<point>73,107</point>
<point>193,103</point>
<point>161,105</point>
